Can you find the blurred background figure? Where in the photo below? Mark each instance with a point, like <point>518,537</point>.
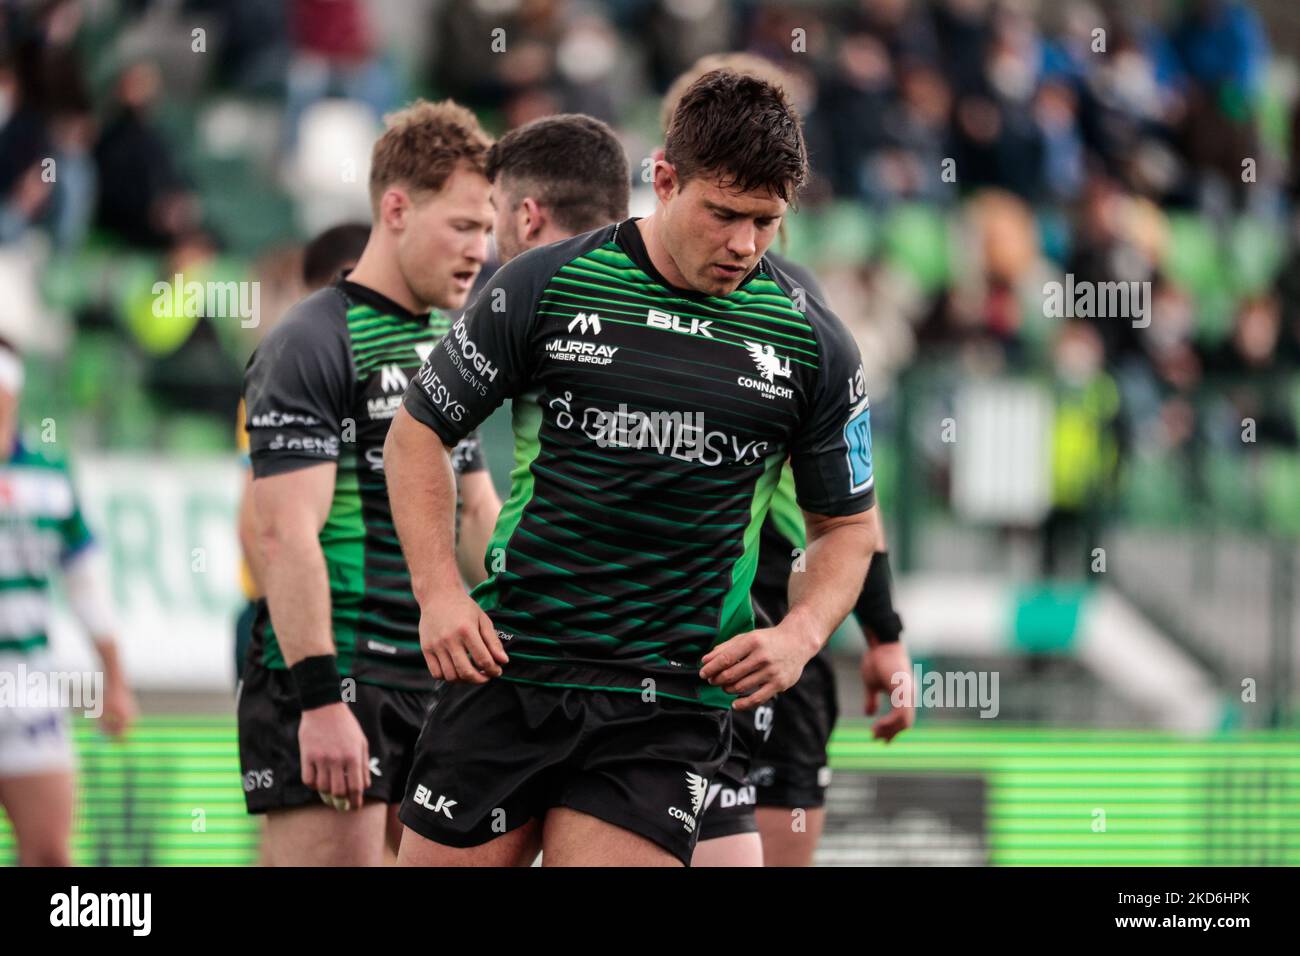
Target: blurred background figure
<point>43,536</point>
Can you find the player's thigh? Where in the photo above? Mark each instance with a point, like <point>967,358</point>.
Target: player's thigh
<point>573,838</point>
<point>790,834</point>
<point>738,849</point>
<point>392,834</point>
<point>518,847</point>
<point>40,809</point>
<point>323,836</point>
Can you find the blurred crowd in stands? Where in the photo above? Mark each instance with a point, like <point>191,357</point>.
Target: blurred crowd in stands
<point>967,154</point>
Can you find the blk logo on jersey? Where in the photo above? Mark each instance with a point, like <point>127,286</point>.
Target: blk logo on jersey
<point>675,323</point>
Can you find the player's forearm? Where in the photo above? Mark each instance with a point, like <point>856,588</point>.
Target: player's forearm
<point>838,554</point>
<point>476,525</point>
<point>248,534</point>
<point>422,495</point>
<point>297,590</point>
<point>110,659</point>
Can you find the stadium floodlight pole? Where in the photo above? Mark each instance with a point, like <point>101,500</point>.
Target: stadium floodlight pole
<point>599,340</point>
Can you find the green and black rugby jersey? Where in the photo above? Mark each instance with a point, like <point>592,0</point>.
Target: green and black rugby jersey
<point>324,386</point>
<point>41,531</point>
<point>651,424</point>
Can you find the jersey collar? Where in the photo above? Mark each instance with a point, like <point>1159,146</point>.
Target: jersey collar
<point>378,301</point>
<point>628,236</point>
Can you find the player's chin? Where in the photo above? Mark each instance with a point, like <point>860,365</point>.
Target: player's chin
<point>454,290</point>
<point>454,299</point>
<point>721,289</point>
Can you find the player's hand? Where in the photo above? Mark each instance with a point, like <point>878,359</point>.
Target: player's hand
<point>459,641</point>
<point>760,664</point>
<point>335,755</point>
<point>120,709</point>
<point>887,669</point>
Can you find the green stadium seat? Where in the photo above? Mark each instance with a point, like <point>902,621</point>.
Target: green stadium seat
<point>1255,251</point>
<point>1281,478</point>
<point>915,238</point>
<point>1195,261</point>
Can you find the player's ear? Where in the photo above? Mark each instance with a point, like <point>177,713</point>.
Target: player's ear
<point>394,208</point>
<point>665,179</point>
<point>532,218</point>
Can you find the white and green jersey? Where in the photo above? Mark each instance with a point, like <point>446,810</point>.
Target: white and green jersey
<point>41,530</point>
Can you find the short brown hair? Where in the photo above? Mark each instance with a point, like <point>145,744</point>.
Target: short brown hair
<point>571,164</point>
<point>422,146</point>
<point>748,64</point>
<point>741,127</point>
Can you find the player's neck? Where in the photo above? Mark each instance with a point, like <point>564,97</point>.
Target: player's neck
<point>377,270</point>
<point>658,252</point>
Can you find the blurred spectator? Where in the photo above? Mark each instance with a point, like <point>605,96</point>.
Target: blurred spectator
<point>996,303</point>
<point>334,53</point>
<point>1251,374</point>
<point>1055,109</point>
<point>142,196</point>
<point>1106,251</point>
<point>45,168</point>
<point>188,369</point>
<point>1223,49</point>
<point>914,130</point>
<point>1085,449</point>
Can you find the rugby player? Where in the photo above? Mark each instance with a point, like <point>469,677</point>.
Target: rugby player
<point>335,250</point>
<point>335,689</point>
<point>792,732</point>
<point>661,375</point>
<point>42,533</point>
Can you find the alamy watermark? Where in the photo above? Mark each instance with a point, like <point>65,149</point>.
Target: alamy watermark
<point>935,689</point>
<point>21,689</point>
<point>1098,300</point>
<point>213,300</point>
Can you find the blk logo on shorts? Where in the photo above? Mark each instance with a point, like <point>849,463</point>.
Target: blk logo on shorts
<point>422,795</point>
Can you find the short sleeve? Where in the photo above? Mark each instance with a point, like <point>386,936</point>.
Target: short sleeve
<point>831,451</point>
<point>297,387</point>
<point>74,533</point>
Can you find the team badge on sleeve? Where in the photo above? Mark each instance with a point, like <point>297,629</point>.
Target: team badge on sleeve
<point>857,438</point>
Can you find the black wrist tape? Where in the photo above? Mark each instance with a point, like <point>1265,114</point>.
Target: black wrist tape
<point>317,681</point>
<point>875,607</point>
